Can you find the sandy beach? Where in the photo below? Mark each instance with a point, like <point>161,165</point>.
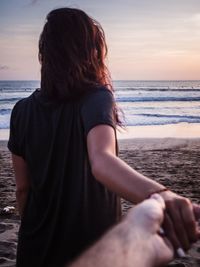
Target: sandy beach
<point>172,161</point>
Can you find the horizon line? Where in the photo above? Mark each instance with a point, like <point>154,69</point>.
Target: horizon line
<point>116,80</point>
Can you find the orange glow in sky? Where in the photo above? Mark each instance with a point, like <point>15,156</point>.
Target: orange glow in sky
<point>147,40</point>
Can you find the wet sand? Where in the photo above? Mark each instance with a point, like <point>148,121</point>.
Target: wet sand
<point>173,162</point>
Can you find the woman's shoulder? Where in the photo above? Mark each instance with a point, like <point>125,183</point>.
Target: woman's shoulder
<point>97,93</point>
<point>100,89</point>
<point>21,104</point>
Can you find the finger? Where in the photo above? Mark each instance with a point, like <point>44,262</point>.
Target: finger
<point>166,249</point>
<point>169,246</point>
<point>173,209</point>
<point>159,199</point>
<point>154,213</point>
<point>148,214</point>
<point>170,232</point>
<point>196,210</point>
<point>189,221</point>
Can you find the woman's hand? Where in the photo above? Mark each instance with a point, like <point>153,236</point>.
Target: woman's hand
<point>180,222</point>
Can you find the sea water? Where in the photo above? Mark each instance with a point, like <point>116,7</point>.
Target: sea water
<point>142,102</point>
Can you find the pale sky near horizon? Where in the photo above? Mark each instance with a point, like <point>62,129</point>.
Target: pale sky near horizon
<point>147,39</point>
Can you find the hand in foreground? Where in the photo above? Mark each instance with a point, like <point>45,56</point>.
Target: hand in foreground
<point>180,223</point>
<point>146,219</point>
<point>133,242</point>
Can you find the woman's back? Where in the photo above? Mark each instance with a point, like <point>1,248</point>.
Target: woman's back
<point>67,208</point>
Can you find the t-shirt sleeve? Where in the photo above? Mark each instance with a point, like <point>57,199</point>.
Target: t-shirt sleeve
<point>14,142</point>
<point>97,109</point>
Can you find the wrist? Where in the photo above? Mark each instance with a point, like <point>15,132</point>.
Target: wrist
<point>159,191</point>
<point>167,195</point>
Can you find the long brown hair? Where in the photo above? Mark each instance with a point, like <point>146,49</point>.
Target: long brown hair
<point>72,52</point>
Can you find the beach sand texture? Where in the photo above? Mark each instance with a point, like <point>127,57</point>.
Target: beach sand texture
<point>173,162</point>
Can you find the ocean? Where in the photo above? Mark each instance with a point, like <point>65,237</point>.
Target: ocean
<point>142,102</point>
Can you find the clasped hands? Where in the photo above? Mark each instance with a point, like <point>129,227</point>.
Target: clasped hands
<point>176,216</point>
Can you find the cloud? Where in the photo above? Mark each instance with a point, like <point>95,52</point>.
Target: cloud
<point>3,67</point>
<point>33,2</point>
<point>196,19</point>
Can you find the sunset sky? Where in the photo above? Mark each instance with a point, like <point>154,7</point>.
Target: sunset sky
<point>147,39</point>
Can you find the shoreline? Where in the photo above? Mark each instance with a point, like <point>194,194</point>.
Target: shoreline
<point>179,130</point>
<point>142,143</point>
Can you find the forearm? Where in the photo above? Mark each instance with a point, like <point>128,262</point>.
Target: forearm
<point>120,178</point>
<point>120,247</point>
<point>21,197</point>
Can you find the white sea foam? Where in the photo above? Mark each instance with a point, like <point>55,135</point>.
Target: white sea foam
<point>143,102</point>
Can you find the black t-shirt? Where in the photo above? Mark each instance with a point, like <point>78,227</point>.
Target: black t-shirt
<point>67,208</point>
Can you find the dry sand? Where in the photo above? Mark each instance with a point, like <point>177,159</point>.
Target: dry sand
<point>173,162</point>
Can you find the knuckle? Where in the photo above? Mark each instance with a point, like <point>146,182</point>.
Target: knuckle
<point>185,201</point>
<point>170,204</point>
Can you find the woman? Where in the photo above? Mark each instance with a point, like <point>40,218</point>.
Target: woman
<point>63,141</point>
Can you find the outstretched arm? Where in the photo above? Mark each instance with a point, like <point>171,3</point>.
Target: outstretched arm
<point>113,172</point>
<point>179,223</point>
<point>133,242</point>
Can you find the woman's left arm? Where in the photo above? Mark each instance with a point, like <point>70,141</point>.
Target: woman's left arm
<point>22,181</point>
<point>179,223</point>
